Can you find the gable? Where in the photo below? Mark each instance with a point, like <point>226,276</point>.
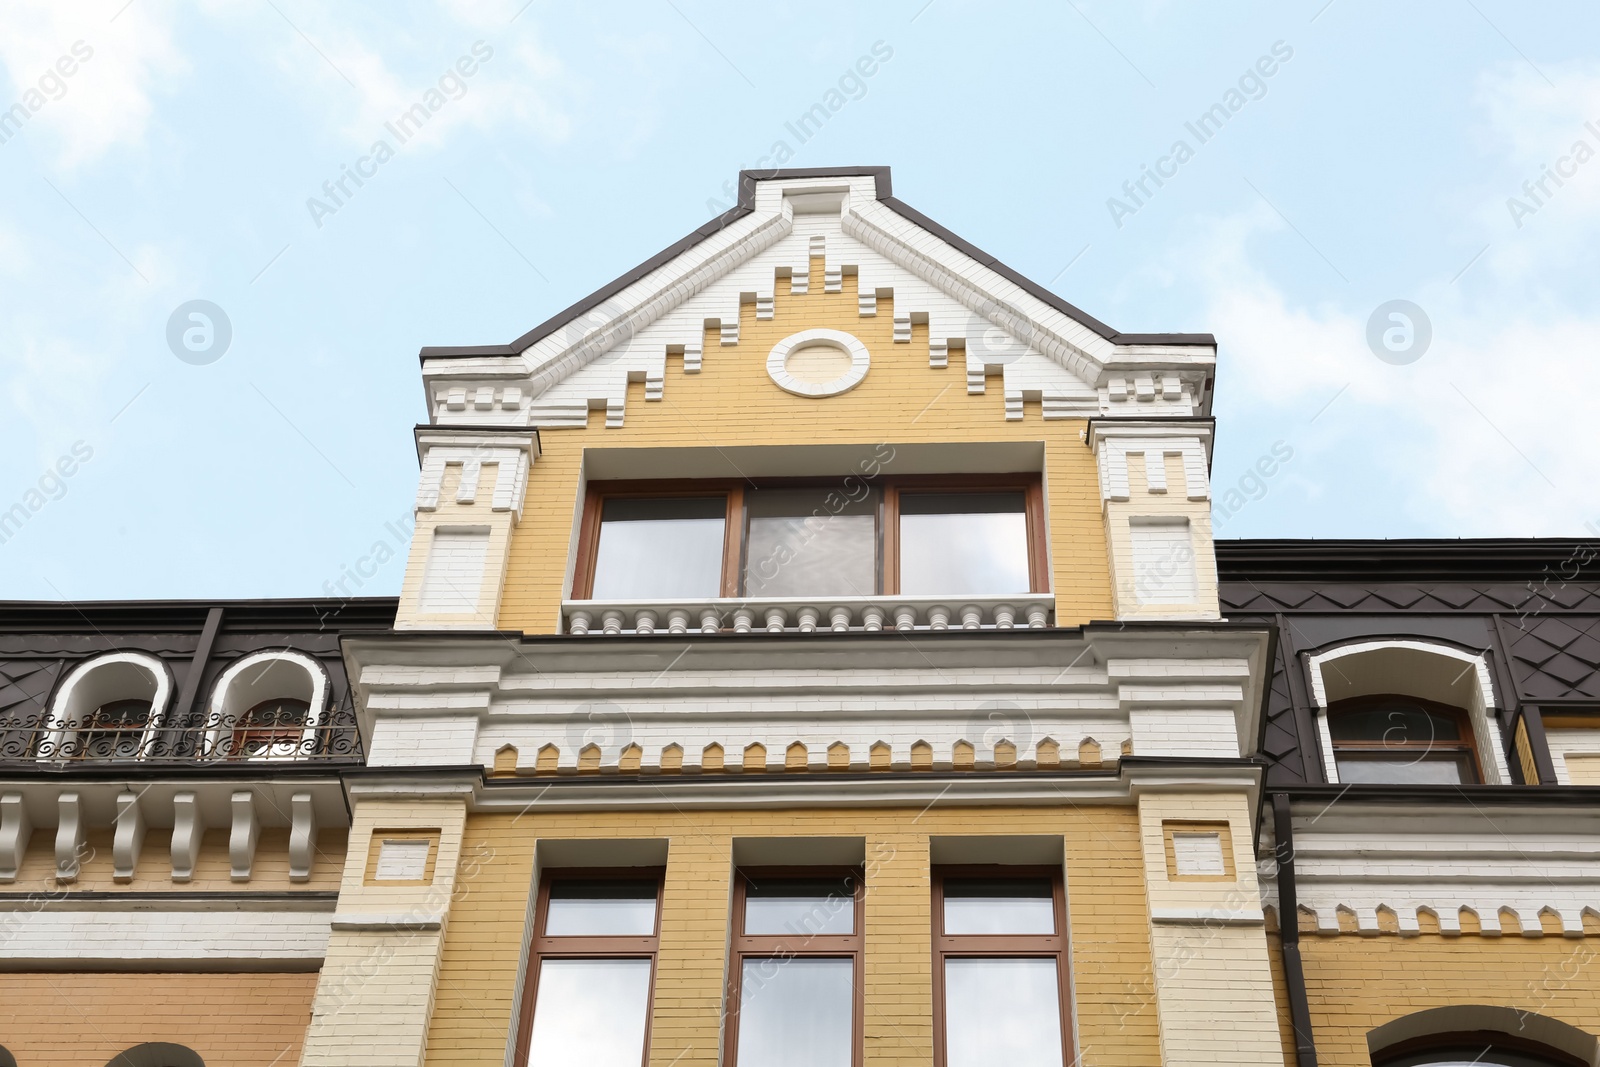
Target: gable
<point>805,233</point>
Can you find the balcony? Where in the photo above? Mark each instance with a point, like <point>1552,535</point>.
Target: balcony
<point>247,738</point>
<point>874,614</point>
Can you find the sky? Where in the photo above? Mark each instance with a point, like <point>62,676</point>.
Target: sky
<point>1441,154</point>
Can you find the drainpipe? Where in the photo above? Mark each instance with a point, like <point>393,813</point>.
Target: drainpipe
<point>1294,976</point>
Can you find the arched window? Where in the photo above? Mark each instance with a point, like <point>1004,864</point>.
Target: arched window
<point>271,729</point>
<point>157,1054</point>
<point>268,705</point>
<point>1480,1035</point>
<point>1394,738</point>
<point>114,730</point>
<point>1482,1049</point>
<point>109,707</point>
<point>1403,710</point>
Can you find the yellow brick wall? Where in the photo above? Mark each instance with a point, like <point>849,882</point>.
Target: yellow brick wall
<point>1354,984</point>
<point>1111,958</point>
<point>83,1020</point>
<point>732,402</point>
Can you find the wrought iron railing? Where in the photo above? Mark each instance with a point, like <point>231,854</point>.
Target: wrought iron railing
<point>117,735</point>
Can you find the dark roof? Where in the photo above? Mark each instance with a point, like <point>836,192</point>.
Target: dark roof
<point>1508,559</point>
<point>746,204</point>
<point>179,616</point>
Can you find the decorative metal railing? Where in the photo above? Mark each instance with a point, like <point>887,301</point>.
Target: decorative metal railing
<point>1019,611</point>
<point>124,735</point>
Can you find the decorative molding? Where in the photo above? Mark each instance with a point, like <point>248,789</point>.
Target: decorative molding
<point>302,837</point>
<point>860,362</point>
<point>1114,442</point>
<point>69,837</point>
<point>16,830</point>
<point>128,839</point>
<point>242,836</point>
<point>513,451</point>
<point>188,830</point>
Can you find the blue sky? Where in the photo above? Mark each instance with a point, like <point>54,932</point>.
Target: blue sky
<point>175,162</point>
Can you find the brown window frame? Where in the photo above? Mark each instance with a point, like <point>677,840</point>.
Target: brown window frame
<point>1001,946</point>
<point>1461,717</point>
<point>543,947</point>
<point>762,946</point>
<point>735,536</point>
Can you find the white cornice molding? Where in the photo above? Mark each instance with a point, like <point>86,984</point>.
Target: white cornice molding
<point>766,791</point>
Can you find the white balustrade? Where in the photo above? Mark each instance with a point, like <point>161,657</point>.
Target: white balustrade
<point>824,615</point>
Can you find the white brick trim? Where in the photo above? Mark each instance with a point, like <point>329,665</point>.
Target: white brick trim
<point>860,362</point>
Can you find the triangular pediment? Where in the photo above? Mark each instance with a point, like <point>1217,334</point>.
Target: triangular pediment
<point>804,233</point>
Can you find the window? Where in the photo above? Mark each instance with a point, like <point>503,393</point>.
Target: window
<point>114,730</point>
<point>656,548</point>
<point>812,538</point>
<point>588,993</point>
<point>963,543</point>
<point>1477,1050</point>
<point>272,728</point>
<point>794,985</point>
<point>1000,976</point>
<point>1400,739</point>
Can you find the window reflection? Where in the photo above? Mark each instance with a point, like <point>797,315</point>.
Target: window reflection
<point>590,1013</point>
<point>954,543</point>
<point>1002,1011</point>
<point>601,909</point>
<point>811,542</point>
<point>1394,739</point>
<point>999,906</point>
<point>799,907</point>
<point>796,1012</point>
<point>660,548</point>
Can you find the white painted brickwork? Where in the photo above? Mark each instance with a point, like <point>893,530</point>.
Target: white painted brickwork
<point>1163,561</point>
<point>161,938</point>
<point>1353,859</point>
<point>454,572</point>
<point>779,691</point>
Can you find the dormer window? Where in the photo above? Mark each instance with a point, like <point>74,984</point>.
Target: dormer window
<point>108,708</point>
<point>799,539</point>
<point>269,706</point>
<point>114,730</point>
<point>1400,739</point>
<point>272,729</point>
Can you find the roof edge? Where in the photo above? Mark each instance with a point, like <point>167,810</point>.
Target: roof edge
<point>748,179</point>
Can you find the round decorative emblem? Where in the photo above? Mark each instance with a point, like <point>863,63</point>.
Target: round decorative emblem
<point>818,363</point>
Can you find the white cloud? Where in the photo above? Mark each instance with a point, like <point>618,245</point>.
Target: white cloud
<point>107,100</point>
<point>1493,430</point>
<point>338,59</point>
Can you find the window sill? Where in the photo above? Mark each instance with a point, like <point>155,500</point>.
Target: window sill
<point>872,614</point>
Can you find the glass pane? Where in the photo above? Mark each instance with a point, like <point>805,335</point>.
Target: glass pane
<point>796,1012</point>
<point>812,542</point>
<point>953,543</point>
<point>1397,722</point>
<point>999,906</point>
<point>800,906</point>
<point>661,548</point>
<point>1001,1012</point>
<point>1451,768</point>
<point>601,909</point>
<point>590,1013</point>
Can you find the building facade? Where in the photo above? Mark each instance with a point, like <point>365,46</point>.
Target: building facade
<point>813,651</point>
